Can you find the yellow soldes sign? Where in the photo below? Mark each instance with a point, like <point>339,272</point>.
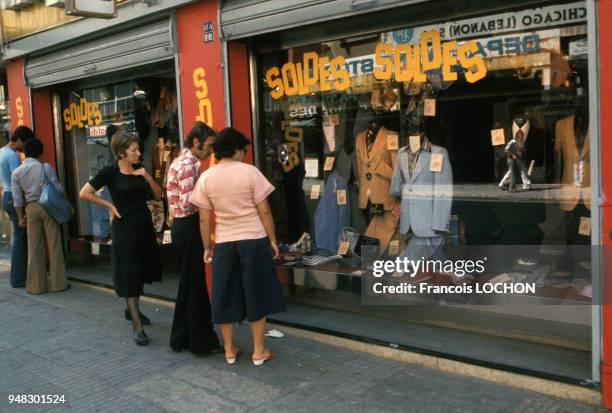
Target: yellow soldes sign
<point>80,114</point>
<point>402,63</point>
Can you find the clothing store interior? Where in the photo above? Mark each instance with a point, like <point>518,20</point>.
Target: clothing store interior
<point>146,106</point>
<point>435,169</point>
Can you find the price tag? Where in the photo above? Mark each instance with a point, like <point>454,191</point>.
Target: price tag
<point>341,196</point>
<point>394,247</point>
<point>343,248</point>
<point>436,162</point>
<point>497,137</point>
<point>315,191</point>
<point>392,142</point>
<point>585,226</point>
<point>415,143</point>
<point>546,72</point>
<point>430,107</point>
<point>167,239</point>
<point>95,248</point>
<point>312,167</point>
<point>334,119</point>
<point>157,173</point>
<point>329,163</point>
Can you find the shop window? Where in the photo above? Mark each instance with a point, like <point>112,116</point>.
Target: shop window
<point>147,107</point>
<point>423,139</point>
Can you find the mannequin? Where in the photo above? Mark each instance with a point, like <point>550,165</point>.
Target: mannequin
<point>426,195</point>
<point>515,151</point>
<point>374,170</point>
<point>572,163</point>
<point>519,221</point>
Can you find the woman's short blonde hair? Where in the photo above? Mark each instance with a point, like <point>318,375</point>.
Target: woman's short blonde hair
<point>121,141</point>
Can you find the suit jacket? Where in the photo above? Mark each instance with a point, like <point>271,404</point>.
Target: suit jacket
<point>374,169</point>
<point>566,155</point>
<point>426,196</point>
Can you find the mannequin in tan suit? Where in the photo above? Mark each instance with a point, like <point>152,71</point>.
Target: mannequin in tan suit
<point>375,164</point>
<point>572,165</point>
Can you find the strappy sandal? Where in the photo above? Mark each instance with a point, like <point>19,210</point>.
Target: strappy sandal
<point>232,360</point>
<point>259,362</point>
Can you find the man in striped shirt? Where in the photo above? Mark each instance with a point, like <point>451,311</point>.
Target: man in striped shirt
<point>192,327</point>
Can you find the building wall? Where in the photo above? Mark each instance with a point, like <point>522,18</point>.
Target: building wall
<point>604,16</point>
<point>32,19</point>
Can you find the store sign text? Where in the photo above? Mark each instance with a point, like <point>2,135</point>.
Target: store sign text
<point>83,113</point>
<point>204,113</point>
<point>294,136</point>
<point>19,106</point>
<point>410,62</point>
<point>403,62</point>
<point>523,20</point>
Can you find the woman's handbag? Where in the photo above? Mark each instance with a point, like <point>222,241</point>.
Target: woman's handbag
<point>53,201</point>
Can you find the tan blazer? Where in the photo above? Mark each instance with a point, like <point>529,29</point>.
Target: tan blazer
<point>376,165</point>
<point>566,155</point>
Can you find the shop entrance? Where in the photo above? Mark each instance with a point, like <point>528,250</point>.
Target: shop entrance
<point>91,112</point>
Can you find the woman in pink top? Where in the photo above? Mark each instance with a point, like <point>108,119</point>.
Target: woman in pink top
<point>244,282</point>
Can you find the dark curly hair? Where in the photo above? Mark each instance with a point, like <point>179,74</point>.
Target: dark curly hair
<point>200,131</point>
<point>23,133</point>
<point>228,141</point>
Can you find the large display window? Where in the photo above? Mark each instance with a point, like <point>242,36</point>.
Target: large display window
<point>428,142</point>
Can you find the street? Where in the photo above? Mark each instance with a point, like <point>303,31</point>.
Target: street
<point>78,345</point>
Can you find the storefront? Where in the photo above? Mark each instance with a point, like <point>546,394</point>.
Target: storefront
<point>143,74</point>
<point>479,121</point>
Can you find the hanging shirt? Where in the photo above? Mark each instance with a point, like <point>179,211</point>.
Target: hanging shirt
<point>413,158</point>
<point>520,133</point>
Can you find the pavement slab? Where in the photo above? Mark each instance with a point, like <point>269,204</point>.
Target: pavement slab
<point>77,344</point>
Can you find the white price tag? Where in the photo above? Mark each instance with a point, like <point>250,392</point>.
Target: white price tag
<point>430,107</point>
<point>436,162</point>
<point>315,191</point>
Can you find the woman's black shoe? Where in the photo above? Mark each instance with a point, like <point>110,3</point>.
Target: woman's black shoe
<point>143,318</point>
<point>140,337</point>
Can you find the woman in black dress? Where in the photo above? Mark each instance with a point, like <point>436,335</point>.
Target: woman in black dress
<point>135,255</point>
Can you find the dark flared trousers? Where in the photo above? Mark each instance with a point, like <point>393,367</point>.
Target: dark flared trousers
<point>192,327</point>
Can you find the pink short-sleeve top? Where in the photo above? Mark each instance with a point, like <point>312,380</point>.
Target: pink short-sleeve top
<point>232,189</point>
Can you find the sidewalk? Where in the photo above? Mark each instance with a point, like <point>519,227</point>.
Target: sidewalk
<point>76,343</point>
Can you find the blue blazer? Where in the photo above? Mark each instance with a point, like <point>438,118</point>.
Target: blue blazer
<point>426,196</point>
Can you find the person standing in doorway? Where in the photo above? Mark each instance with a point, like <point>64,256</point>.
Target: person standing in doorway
<point>192,327</point>
<point>135,253</point>
<point>9,161</point>
<point>27,186</point>
<point>244,283</point>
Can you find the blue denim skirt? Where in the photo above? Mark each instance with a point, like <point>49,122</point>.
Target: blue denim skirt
<point>244,282</point>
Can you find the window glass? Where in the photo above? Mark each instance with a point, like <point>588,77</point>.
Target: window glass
<point>427,141</point>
